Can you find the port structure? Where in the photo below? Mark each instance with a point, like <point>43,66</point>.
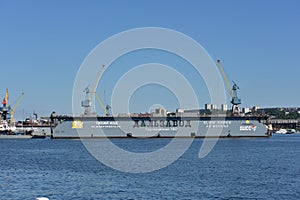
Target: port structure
<point>86,103</point>
<point>12,112</point>
<point>6,112</point>
<point>235,101</point>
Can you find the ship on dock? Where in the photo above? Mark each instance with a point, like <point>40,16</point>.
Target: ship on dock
<point>158,127</point>
<point>6,117</point>
<point>181,123</point>
<point>9,129</point>
<point>35,125</point>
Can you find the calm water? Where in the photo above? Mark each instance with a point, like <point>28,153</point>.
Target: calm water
<point>267,168</point>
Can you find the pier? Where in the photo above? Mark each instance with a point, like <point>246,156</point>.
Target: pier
<point>285,123</point>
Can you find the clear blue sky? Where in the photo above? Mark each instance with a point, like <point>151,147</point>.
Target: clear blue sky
<point>43,43</point>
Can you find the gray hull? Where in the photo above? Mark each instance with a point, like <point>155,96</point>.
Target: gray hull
<point>123,127</point>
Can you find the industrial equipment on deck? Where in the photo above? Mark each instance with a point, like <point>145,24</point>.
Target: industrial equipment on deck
<point>235,101</point>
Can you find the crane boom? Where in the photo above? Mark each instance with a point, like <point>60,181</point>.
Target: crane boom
<point>12,112</point>
<point>225,79</point>
<point>94,92</point>
<point>98,78</point>
<point>235,101</point>
<point>101,104</point>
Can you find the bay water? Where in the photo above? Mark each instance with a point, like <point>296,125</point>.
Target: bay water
<point>237,168</point>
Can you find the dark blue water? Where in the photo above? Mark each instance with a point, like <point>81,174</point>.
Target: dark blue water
<point>267,168</point>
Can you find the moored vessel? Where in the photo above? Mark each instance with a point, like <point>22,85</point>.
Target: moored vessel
<point>160,123</point>
<point>156,127</point>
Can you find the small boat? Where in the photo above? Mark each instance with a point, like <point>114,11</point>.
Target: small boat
<point>14,136</point>
<point>38,137</point>
<point>290,131</point>
<point>41,135</point>
<point>286,131</point>
<point>281,131</point>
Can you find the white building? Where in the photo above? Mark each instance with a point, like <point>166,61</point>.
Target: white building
<point>246,110</point>
<point>224,107</point>
<point>214,107</point>
<point>208,106</point>
<point>159,112</point>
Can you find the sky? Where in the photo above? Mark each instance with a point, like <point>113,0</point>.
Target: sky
<point>44,43</point>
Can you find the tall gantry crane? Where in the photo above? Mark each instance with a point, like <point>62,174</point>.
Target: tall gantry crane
<point>104,108</point>
<point>235,101</point>
<point>12,112</point>
<point>91,94</point>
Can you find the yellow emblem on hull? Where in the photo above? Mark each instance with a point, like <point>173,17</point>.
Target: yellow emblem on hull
<point>77,124</point>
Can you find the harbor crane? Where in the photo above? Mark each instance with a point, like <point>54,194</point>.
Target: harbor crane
<point>104,108</point>
<point>12,112</point>
<point>235,101</point>
<point>91,94</point>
